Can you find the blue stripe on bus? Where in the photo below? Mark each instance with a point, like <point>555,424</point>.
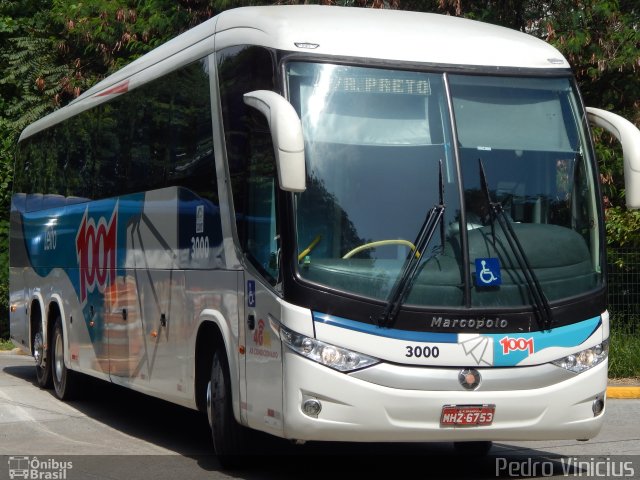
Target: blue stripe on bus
<point>434,337</point>
<point>565,337</point>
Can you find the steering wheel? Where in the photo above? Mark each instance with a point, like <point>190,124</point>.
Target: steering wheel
<point>381,243</point>
<point>311,246</point>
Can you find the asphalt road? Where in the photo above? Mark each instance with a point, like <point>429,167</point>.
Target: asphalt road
<point>113,433</point>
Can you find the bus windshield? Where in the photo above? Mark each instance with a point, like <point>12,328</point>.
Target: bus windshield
<point>377,142</point>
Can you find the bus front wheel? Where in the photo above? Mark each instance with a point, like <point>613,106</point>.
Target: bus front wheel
<point>228,435</point>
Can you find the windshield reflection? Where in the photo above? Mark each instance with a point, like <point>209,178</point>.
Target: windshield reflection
<point>374,141</point>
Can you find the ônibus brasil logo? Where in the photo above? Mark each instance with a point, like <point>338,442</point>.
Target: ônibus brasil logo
<point>96,252</point>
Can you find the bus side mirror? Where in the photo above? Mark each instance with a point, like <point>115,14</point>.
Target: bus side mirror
<point>629,136</point>
<point>286,132</point>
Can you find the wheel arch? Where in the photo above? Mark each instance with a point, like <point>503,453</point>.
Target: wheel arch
<point>55,309</point>
<point>37,317</point>
<point>214,332</point>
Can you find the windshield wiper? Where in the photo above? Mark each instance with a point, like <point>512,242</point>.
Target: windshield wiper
<point>405,280</point>
<point>541,304</point>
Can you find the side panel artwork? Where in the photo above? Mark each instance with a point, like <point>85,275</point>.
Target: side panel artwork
<point>120,266</point>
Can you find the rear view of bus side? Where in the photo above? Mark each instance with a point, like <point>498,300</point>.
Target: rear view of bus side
<point>326,223</point>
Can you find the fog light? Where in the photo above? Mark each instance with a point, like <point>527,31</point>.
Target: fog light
<point>598,406</point>
<point>311,407</point>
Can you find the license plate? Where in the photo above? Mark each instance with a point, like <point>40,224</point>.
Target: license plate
<point>467,415</point>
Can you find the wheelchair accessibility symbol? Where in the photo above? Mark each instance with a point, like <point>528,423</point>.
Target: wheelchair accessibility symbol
<point>488,272</point>
<point>251,293</point>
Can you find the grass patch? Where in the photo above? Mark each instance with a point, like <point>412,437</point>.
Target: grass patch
<point>6,344</point>
<point>624,350</point>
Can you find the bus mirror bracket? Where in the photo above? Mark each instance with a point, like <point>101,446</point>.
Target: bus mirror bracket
<point>629,137</point>
<point>286,132</point>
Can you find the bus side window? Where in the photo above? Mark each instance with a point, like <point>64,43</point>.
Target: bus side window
<point>250,155</point>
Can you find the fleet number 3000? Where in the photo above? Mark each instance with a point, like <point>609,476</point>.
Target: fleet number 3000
<point>417,351</point>
<point>200,247</point>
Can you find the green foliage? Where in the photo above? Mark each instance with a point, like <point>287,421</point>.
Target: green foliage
<point>623,227</point>
<point>624,349</point>
<point>6,170</point>
<point>29,58</point>
<point>601,39</point>
<point>4,279</point>
<point>102,36</point>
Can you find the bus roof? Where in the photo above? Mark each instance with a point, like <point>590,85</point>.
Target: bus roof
<point>378,34</point>
<point>393,35</point>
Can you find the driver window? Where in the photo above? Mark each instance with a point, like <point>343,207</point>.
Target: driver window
<point>259,221</point>
<point>250,155</point>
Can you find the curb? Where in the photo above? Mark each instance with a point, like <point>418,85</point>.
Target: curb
<point>15,351</point>
<point>623,392</point>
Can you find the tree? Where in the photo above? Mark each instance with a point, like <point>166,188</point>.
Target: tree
<point>601,40</point>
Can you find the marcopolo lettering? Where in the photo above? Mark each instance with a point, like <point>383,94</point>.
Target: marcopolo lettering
<point>470,323</point>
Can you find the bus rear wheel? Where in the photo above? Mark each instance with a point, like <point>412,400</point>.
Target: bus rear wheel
<point>42,357</point>
<point>64,381</point>
<point>229,437</point>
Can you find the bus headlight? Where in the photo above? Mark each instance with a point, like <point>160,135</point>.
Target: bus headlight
<point>334,357</point>
<point>585,359</point>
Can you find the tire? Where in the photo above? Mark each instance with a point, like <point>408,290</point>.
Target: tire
<point>65,382</point>
<point>229,437</point>
<point>473,449</point>
<point>42,357</point>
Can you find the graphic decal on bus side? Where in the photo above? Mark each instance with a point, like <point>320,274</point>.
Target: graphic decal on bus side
<point>512,349</point>
<point>114,261</point>
<point>261,336</point>
<point>262,341</point>
<point>96,252</point>
<point>480,348</point>
<point>510,344</point>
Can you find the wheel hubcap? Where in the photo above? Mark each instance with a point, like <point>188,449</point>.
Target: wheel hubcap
<point>59,358</point>
<point>38,350</point>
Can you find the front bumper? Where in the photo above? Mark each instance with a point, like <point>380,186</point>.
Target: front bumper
<point>361,411</point>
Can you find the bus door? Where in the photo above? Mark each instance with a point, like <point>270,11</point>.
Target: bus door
<point>258,230</point>
<point>263,357</point>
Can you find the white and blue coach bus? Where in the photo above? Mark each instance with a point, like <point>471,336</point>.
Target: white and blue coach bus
<point>326,223</point>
